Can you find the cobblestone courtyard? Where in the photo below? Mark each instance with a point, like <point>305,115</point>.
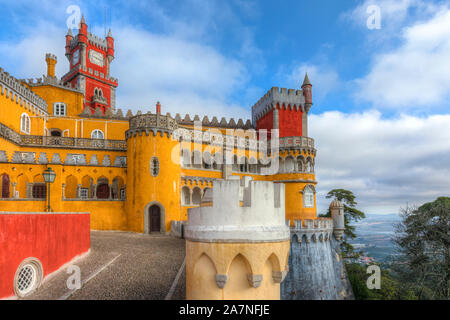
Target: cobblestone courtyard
<point>124,265</point>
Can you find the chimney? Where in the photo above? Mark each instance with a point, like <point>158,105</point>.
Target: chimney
<point>51,63</point>
<point>158,107</point>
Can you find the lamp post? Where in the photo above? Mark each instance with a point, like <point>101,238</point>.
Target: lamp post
<point>49,177</point>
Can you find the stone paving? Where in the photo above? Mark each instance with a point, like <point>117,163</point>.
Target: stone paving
<point>123,266</point>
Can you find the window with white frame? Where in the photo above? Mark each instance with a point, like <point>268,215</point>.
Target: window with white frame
<point>59,109</point>
<point>25,123</point>
<point>84,193</point>
<point>97,134</point>
<point>308,197</point>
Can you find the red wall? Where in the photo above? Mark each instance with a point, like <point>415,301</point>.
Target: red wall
<point>290,122</point>
<point>266,122</point>
<point>53,238</point>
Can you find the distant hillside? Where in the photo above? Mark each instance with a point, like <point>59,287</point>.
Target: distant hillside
<point>374,235</point>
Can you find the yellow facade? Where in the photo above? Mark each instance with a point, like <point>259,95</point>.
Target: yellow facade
<point>204,261</point>
<point>104,166</point>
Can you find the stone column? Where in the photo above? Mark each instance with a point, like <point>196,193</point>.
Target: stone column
<point>14,190</point>
<point>79,191</point>
<point>64,191</point>
<point>94,188</point>
<point>110,191</point>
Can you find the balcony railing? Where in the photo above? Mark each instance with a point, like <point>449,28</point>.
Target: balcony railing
<point>61,142</point>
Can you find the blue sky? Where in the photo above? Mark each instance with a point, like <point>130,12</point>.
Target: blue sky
<point>381,96</point>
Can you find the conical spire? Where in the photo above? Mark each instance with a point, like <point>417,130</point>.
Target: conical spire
<point>82,19</point>
<point>109,34</point>
<point>306,80</point>
<point>69,32</point>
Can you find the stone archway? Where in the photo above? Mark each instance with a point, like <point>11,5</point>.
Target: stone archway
<point>154,208</point>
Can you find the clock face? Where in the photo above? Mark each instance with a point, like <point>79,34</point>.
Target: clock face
<point>96,58</point>
<point>76,57</point>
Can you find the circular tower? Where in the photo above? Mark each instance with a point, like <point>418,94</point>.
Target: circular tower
<point>233,251</point>
<point>153,173</point>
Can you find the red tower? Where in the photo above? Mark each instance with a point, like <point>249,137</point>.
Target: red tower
<point>286,110</point>
<point>90,58</point>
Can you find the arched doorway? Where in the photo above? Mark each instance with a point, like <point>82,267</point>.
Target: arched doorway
<point>154,218</point>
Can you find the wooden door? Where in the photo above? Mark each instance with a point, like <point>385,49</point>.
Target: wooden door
<point>155,219</point>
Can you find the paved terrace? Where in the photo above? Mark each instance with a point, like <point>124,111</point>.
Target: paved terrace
<point>122,266</point>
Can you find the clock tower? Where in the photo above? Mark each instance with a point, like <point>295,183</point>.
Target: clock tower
<point>90,58</point>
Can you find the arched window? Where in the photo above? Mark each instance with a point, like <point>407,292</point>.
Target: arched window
<point>97,134</point>
<point>154,166</point>
<point>4,185</point>
<point>185,196</point>
<point>185,158</point>
<point>300,164</point>
<point>25,123</point>
<point>197,195</point>
<point>197,159</point>
<point>55,133</point>
<point>59,109</point>
<point>308,197</point>
<point>289,164</point>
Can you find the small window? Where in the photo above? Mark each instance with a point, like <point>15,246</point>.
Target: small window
<point>97,134</point>
<point>39,191</point>
<point>59,109</point>
<point>55,133</point>
<point>154,166</point>
<point>84,193</point>
<point>308,197</point>
<point>123,194</point>
<point>25,123</point>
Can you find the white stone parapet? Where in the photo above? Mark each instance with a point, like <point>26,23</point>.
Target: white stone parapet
<point>14,89</point>
<point>259,217</point>
<point>312,229</point>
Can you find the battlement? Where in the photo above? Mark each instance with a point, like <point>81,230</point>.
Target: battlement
<point>151,123</point>
<point>260,218</point>
<point>285,98</point>
<point>51,57</point>
<point>214,122</point>
<point>50,81</point>
<point>11,85</point>
<point>97,42</point>
<point>320,229</point>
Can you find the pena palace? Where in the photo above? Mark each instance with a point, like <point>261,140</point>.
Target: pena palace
<point>138,172</point>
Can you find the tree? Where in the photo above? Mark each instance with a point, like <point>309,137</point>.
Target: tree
<point>351,214</point>
<point>391,289</point>
<point>423,242</point>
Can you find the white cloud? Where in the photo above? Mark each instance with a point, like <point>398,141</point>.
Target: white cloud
<point>178,66</point>
<point>385,162</point>
<point>186,76</point>
<point>417,73</point>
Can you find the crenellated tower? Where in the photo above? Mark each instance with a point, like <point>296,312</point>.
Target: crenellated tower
<point>90,58</point>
